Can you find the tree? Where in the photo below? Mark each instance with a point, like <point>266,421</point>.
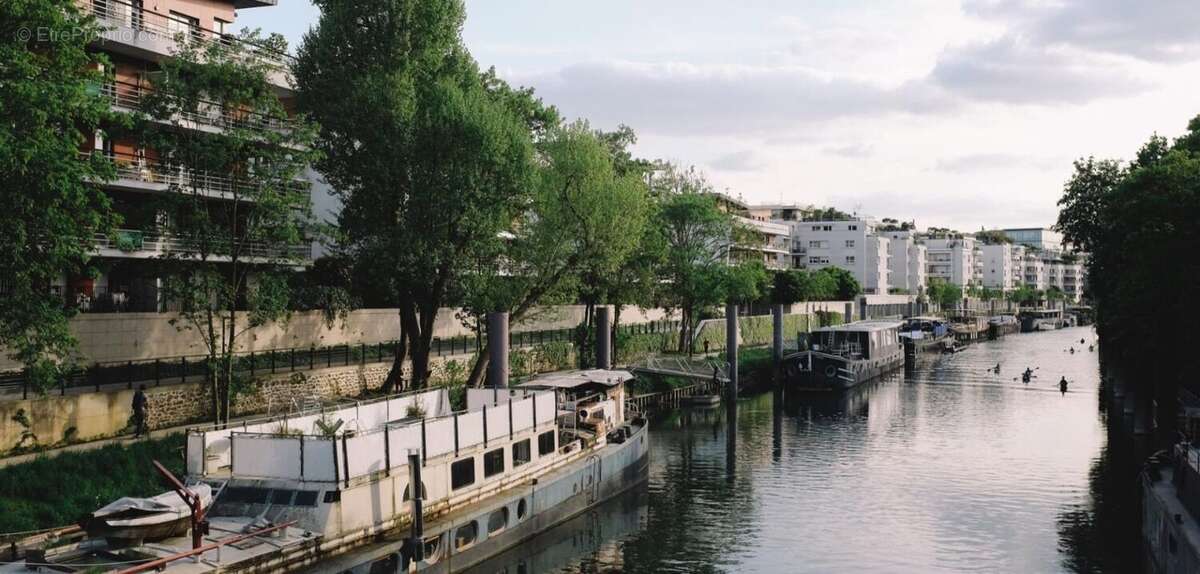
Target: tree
<point>50,106</point>
<point>945,294</point>
<point>846,287</point>
<point>239,211</point>
<point>746,282</point>
<point>698,235</point>
<point>1112,211</point>
<point>992,237</point>
<point>584,219</point>
<point>430,158</point>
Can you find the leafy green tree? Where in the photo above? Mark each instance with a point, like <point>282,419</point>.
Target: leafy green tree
<point>846,287</point>
<point>1141,296</point>
<point>945,294</point>
<point>238,214</point>
<point>50,105</point>
<point>746,282</point>
<point>584,218</point>
<point>430,157</point>
<point>788,286</point>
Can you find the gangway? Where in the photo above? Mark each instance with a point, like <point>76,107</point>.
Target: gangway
<point>684,367</point>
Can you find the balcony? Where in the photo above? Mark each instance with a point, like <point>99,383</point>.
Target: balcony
<point>127,97</point>
<point>137,244</point>
<point>136,31</point>
<point>135,173</point>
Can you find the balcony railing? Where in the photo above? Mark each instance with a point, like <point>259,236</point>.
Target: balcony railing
<point>137,241</point>
<point>141,169</point>
<point>149,22</point>
<point>129,97</point>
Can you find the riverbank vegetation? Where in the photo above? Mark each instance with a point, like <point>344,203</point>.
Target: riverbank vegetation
<point>1137,222</point>
<point>48,492</point>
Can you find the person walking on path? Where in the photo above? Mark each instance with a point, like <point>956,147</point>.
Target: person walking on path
<point>1062,385</point>
<point>139,412</point>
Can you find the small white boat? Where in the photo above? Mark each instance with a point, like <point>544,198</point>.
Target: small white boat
<point>137,519</point>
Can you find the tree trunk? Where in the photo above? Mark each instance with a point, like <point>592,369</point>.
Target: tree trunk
<point>230,346</point>
<point>476,379</point>
<point>395,376</point>
<point>210,371</point>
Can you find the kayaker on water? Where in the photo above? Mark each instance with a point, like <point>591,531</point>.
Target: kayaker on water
<point>1062,385</point>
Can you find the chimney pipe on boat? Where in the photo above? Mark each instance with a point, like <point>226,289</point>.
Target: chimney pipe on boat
<point>777,332</point>
<point>497,331</point>
<point>416,544</point>
<point>603,338</point>
<point>849,312</point>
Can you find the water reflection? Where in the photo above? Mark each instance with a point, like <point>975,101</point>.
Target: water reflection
<point>950,469</point>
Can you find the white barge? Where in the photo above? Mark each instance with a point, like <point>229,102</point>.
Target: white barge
<point>330,491</point>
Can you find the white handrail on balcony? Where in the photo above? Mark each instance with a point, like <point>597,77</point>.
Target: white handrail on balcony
<point>166,26</point>
<point>136,168</point>
<point>132,240</point>
<point>129,97</point>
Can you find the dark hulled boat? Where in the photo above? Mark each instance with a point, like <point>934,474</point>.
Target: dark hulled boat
<point>842,356</point>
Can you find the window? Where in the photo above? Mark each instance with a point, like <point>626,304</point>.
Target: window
<point>827,228</point>
<point>521,453</point>
<point>465,535</point>
<point>221,26</point>
<point>849,260</point>
<point>306,498</point>
<point>497,521</point>
<point>408,493</point>
<point>493,462</point>
<point>850,243</point>
<point>283,497</point>
<point>852,227</point>
<point>818,244</point>
<point>433,546</point>
<point>816,228</point>
<point>180,23</point>
<point>522,509</point>
<point>546,443</point>
<point>818,260</point>
<point>462,473</point>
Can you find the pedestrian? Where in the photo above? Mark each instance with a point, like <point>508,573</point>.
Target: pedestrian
<point>706,346</point>
<point>1062,385</point>
<point>139,412</point>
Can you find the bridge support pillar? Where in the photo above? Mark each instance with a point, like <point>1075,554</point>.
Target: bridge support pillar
<point>497,331</point>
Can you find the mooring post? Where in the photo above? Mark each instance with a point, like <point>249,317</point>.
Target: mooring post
<point>731,348</point>
<point>849,312</point>
<point>418,520</point>
<point>777,333</point>
<point>911,308</point>
<point>603,338</point>
<point>497,331</point>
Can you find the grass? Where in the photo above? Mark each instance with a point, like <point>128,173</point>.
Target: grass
<point>52,492</point>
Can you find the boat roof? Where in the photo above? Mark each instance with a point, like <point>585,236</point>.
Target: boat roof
<point>573,379</point>
<point>925,318</point>
<point>865,326</point>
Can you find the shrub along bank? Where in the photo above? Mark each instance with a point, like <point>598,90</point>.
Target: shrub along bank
<point>58,491</point>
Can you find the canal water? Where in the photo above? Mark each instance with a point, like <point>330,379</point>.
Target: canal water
<point>950,468</point>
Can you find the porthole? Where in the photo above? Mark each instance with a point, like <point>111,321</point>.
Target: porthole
<point>433,549</point>
<point>497,520</point>
<point>522,509</point>
<point>465,535</point>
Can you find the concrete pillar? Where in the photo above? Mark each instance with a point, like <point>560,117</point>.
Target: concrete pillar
<point>603,338</point>
<point>912,307</point>
<point>497,331</point>
<point>862,309</point>
<point>731,347</point>
<point>849,312</point>
<point>777,332</point>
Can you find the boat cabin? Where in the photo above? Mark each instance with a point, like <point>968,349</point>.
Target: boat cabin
<point>924,327</point>
<point>858,341</point>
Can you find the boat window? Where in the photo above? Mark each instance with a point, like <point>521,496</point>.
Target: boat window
<point>493,462</point>
<point>521,453</point>
<point>462,473</point>
<point>433,546</point>
<point>522,509</point>
<point>281,496</point>
<point>465,535</point>
<point>306,498</point>
<point>245,495</point>
<point>546,443</point>
<point>333,496</point>
<point>408,493</point>
<point>497,520</point>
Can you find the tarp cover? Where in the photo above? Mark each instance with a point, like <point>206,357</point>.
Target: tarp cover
<point>167,502</point>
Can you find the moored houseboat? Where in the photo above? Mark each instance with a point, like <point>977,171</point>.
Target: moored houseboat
<point>842,356</point>
<point>303,492</point>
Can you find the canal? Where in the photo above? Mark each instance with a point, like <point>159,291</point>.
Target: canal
<point>950,468</point>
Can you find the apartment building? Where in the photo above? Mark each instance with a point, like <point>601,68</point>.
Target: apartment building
<point>1001,266</point>
<point>955,259</point>
<point>138,36</point>
<point>851,245</point>
<point>769,241</point>
<point>907,261</point>
<point>1037,238</point>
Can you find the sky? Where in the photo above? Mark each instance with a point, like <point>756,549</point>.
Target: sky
<point>952,113</point>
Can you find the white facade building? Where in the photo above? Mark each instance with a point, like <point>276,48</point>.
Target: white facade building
<point>907,261</point>
<point>1002,266</point>
<point>850,245</point>
<point>955,260</point>
<point>772,243</point>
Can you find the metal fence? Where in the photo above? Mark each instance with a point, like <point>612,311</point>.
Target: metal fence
<point>171,370</point>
